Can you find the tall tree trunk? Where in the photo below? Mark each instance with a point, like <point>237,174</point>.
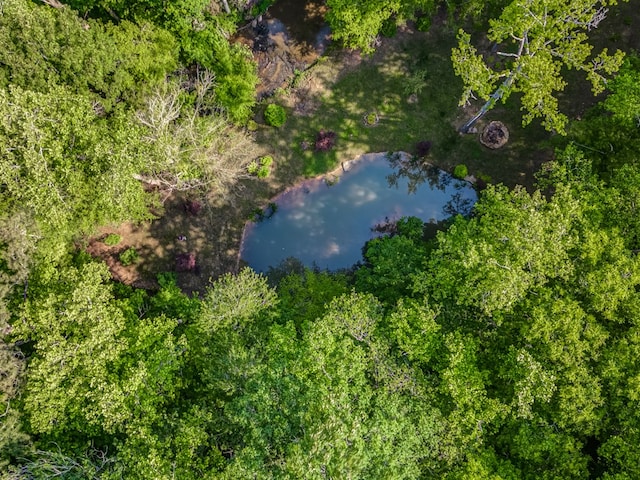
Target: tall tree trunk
<point>493,99</point>
<point>226,6</point>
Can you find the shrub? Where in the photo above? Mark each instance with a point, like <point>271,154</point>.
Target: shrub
<point>265,166</point>
<point>275,115</point>
<point>261,168</point>
<point>423,148</point>
<point>186,262</point>
<point>371,118</point>
<point>192,207</point>
<point>129,256</point>
<point>112,239</point>
<point>325,140</point>
<point>414,83</point>
<point>460,171</point>
<point>423,23</point>
<point>389,28</point>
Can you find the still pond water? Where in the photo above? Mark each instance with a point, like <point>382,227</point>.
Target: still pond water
<point>326,226</point>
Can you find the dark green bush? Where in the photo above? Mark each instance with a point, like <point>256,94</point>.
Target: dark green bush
<point>389,28</point>
<point>275,115</point>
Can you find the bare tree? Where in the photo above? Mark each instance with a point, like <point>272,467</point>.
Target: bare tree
<point>193,150</point>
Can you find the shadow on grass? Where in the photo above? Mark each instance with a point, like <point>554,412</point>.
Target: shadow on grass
<point>410,86</point>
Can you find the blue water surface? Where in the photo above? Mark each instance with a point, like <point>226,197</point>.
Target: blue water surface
<point>326,226</point>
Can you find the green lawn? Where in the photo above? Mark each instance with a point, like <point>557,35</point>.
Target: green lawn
<point>412,63</point>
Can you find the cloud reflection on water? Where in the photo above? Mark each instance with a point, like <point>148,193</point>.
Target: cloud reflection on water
<point>328,225</point>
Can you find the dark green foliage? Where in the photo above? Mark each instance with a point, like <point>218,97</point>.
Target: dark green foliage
<point>390,262</point>
<point>275,115</point>
<point>201,38</point>
<point>389,28</point>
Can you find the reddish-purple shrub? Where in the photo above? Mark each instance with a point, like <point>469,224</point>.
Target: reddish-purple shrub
<point>192,207</point>
<point>325,140</point>
<point>186,262</point>
<point>423,147</point>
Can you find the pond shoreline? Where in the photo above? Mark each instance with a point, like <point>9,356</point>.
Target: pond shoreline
<point>397,160</point>
<point>328,177</point>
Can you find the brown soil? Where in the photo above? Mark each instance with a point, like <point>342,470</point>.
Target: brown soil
<point>212,236</point>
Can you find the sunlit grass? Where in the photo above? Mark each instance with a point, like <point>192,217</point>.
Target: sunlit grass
<point>418,64</point>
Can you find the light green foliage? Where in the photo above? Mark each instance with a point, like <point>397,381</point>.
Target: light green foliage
<point>415,329</point>
<point>275,115</point>
<point>43,47</point>
<point>544,36</point>
<point>231,319</point>
<point>311,411</point>
<point>624,100</point>
<point>67,167</point>
<point>493,260</point>
<point>357,23</point>
<point>233,300</point>
<point>95,367</point>
<point>235,71</point>
<point>129,256</point>
<point>260,168</point>
<point>460,171</point>
<point>112,239</point>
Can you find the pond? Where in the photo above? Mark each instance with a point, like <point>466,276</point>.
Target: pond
<point>325,224</point>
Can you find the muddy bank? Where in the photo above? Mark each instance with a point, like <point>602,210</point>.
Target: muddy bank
<point>285,41</point>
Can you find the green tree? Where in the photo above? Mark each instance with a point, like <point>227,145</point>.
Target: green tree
<point>203,39</point>
<point>544,37</point>
<point>357,23</point>
<point>96,368</point>
<point>390,262</point>
<point>43,47</point>
<point>69,168</point>
<point>335,403</point>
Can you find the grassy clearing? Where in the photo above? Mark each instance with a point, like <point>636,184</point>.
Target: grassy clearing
<point>409,83</point>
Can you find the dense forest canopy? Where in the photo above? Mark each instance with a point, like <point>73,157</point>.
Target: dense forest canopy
<point>506,347</point>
